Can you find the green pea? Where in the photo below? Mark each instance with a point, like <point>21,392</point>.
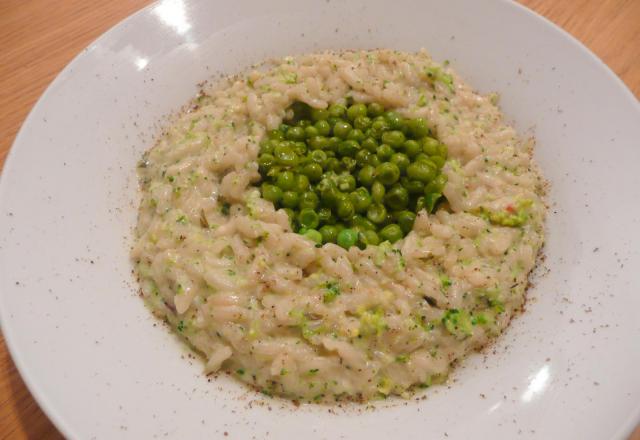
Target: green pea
<point>438,161</point>
<point>323,127</point>
<point>378,128</point>
<point>267,146</point>
<point>412,148</point>
<point>377,192</point>
<point>377,213</point>
<point>374,160</point>
<point>286,180</point>
<point>387,173</point>
<point>301,183</point>
<point>347,238</point>
<point>356,110</point>
<point>421,157</point>
<point>362,122</point>
<point>309,200</point>
<point>295,134</point>
<point>290,199</point>
<point>436,185</point>
<point>393,119</point>
<point>370,144</point>
<point>421,203</point>
<point>329,233</point>
<point>374,109</point>
<point>275,135</point>
<point>334,165</point>
<point>300,148</point>
<point>443,150</point>
<point>337,110</point>
<point>290,214</point>
<point>348,148</point>
<point>361,223</point>
<point>394,138</point>
<point>303,123</point>
<point>274,171</point>
<point>424,171</point>
<point>283,143</point>
<point>349,163</point>
<point>341,129</point>
<point>318,156</point>
<point>397,198</point>
<point>369,238</point>
<point>418,128</point>
<point>366,175</point>
<point>275,142</point>
<point>265,162</point>
<point>313,171</point>
<point>326,187</point>
<point>318,142</point>
<point>334,141</point>
<point>286,156</point>
<point>384,152</point>
<point>356,135</point>
<point>404,127</point>
<point>391,233</point>
<point>314,236</point>
<point>430,201</point>
<point>308,218</point>
<point>310,132</point>
<point>271,192</point>
<point>326,216</point>
<point>319,114</point>
<point>405,220</point>
<point>413,186</point>
<point>362,157</point>
<point>360,199</point>
<point>344,208</point>
<point>283,128</point>
<point>430,146</point>
<point>346,183</point>
<point>401,161</point>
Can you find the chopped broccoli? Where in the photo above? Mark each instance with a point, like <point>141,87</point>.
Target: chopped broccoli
<point>458,323</point>
<point>333,290</point>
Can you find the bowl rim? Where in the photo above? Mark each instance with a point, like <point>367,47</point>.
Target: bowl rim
<point>25,371</point>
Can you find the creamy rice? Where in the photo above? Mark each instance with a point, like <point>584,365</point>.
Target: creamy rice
<point>227,272</point>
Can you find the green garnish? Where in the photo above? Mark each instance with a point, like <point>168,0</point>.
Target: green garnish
<point>372,322</point>
<point>332,292</point>
<point>458,323</point>
<point>512,216</point>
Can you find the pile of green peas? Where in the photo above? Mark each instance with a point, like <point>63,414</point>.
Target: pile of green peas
<point>355,175</point>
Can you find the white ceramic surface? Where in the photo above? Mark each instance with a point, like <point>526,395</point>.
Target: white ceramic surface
<point>100,366</point>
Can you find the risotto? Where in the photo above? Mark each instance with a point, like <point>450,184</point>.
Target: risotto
<point>296,313</point>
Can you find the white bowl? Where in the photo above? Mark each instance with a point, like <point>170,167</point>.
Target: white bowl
<point>99,365</point>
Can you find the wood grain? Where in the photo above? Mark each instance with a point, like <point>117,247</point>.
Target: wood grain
<point>39,37</point>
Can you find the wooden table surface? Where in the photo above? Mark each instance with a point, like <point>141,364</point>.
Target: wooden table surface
<point>39,37</point>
